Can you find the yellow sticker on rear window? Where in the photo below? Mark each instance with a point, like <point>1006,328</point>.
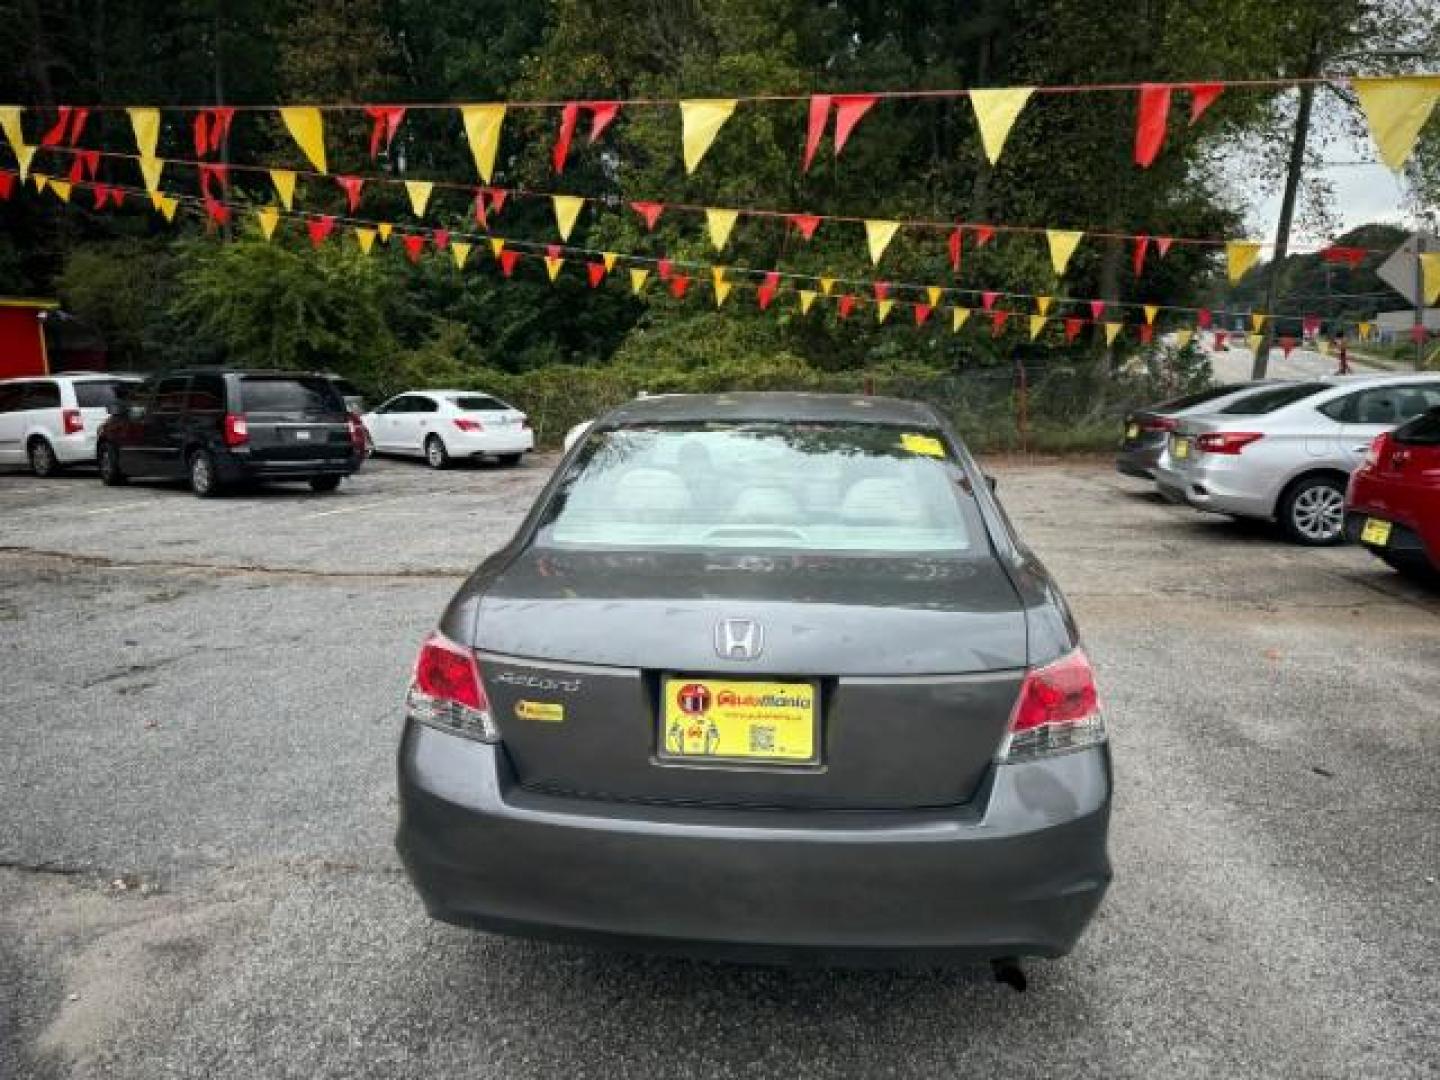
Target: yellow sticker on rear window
<point>923,444</point>
<point>550,712</point>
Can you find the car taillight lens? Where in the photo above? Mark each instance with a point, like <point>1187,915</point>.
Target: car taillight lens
<point>1058,710</point>
<point>73,421</point>
<point>357,432</point>
<point>469,425</point>
<point>1376,451</point>
<point>446,692</point>
<point>237,431</point>
<point>1226,442</point>
<point>1160,423</point>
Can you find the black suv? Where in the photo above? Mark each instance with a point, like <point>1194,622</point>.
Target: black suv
<point>218,426</point>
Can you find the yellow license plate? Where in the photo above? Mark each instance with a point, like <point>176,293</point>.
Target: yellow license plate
<point>738,720</point>
<point>1133,431</point>
<point>1376,532</point>
<point>1180,449</point>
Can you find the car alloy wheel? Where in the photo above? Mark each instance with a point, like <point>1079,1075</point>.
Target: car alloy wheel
<point>42,458</point>
<point>202,475</point>
<point>1317,513</point>
<point>435,454</point>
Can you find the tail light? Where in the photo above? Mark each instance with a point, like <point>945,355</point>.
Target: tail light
<point>1378,446</point>
<point>1058,710</point>
<point>357,432</point>
<point>446,692</point>
<point>469,425</point>
<point>237,430</point>
<point>1160,423</point>
<point>73,421</point>
<point>1226,442</point>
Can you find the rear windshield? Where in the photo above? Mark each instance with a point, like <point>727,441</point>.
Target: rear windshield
<point>1197,398</point>
<point>1422,431</point>
<point>1266,401</point>
<point>100,394</point>
<point>478,403</point>
<point>288,395</point>
<point>863,488</point>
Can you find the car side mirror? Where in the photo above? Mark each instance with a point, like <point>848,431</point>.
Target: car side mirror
<point>991,481</point>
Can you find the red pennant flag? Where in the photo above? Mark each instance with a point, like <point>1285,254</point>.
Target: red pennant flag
<point>1150,121</point>
<point>602,113</point>
<point>319,228</point>
<point>1286,344</point>
<point>414,245</point>
<point>385,121</point>
<point>819,113</point>
<point>481,218</point>
<point>1220,336</point>
<point>1162,245</point>
<point>212,127</point>
<point>1310,325</point>
<point>441,238</point>
<point>983,235</point>
<point>1202,317</point>
<point>508,259</point>
<point>56,134</point>
<point>568,116</point>
<point>7,184</point>
<point>102,195</point>
<point>1418,335</point>
<point>805,224</point>
<point>92,162</point>
<point>1202,96</point>
<point>649,213</point>
<point>351,185</point>
<point>849,108</point>
<point>218,212</point>
<point>77,123</point>
<point>882,290</point>
<point>117,198</point>
<point>997,322</point>
<point>678,284</point>
<point>1352,256</point>
<point>1142,245</point>
<point>1097,310</point>
<point>766,293</point>
<point>1147,333</point>
<point>498,195</point>
<point>77,169</point>
<point>845,306</point>
<point>554,251</point>
<point>922,312</point>
<point>954,246</point>
<point>664,269</point>
<point>595,271</point>
<point>201,126</point>
<point>988,298</point>
<point>1072,328</point>
<point>213,176</point>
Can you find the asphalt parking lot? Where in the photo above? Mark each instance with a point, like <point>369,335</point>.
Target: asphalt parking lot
<point>201,701</point>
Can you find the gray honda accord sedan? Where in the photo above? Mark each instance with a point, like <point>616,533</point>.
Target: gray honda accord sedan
<point>768,677</point>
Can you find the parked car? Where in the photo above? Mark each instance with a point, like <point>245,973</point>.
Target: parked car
<point>1147,430</point>
<point>441,425</point>
<point>217,427</point>
<point>762,675</point>
<point>1393,504</point>
<point>1286,454</point>
<point>50,421</point>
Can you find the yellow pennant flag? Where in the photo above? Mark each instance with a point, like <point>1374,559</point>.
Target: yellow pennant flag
<point>269,217</point>
<point>1396,108</point>
<point>1257,320</point>
<point>1240,255</point>
<point>553,263</point>
<point>1042,304</point>
<point>882,310</point>
<point>165,204</point>
<point>1324,346</point>
<point>497,245</point>
<point>146,125</point>
<point>482,128</point>
<point>957,318</point>
<point>878,235</point>
<point>24,155</point>
<point>638,277</point>
<point>1037,323</point>
<point>700,121</point>
<point>807,297</point>
<point>827,285</point>
<point>365,238</point>
<point>384,229</point>
<point>1255,340</point>
<point>150,170</point>
<point>720,222</point>
<point>567,209</point>
<point>933,294</point>
<point>308,131</point>
<point>1112,331</point>
<point>41,182</point>
<point>718,273</point>
<point>1182,338</point>
<point>609,258</point>
<point>61,189</point>
<point>996,111</point>
<point>1063,243</point>
<point>722,290</point>
<point>459,251</point>
<point>284,181</point>
<point>10,124</point>
<point>1364,329</point>
<point>1430,275</point>
<point>419,192</point>
<point>1151,310</point>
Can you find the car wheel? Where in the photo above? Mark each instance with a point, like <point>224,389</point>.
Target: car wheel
<point>108,461</point>
<point>43,461</point>
<point>324,483</point>
<point>203,481</point>
<point>436,456</point>
<point>509,459</point>
<point>1313,512</point>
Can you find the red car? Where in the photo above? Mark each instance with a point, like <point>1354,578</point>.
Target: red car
<point>1393,505</point>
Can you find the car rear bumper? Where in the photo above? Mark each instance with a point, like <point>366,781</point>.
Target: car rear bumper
<point>1213,490</point>
<point>1020,871</point>
<point>1140,462</point>
<point>1404,541</point>
<point>234,467</point>
<point>482,443</point>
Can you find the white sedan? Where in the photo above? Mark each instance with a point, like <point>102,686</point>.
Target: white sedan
<point>441,425</point>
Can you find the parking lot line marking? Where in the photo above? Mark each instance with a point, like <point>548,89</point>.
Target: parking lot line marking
<point>364,506</point>
<point>112,509</point>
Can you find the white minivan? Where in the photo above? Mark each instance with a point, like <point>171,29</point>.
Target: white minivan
<point>50,421</point>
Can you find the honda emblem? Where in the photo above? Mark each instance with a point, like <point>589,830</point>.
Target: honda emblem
<point>739,639</point>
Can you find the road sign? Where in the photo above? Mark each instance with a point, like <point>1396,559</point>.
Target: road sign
<point>1401,271</point>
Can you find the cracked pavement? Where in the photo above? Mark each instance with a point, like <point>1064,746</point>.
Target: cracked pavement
<point>201,702</point>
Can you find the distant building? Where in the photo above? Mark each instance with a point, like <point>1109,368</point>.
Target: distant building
<point>1396,325</point>
<point>36,338</point>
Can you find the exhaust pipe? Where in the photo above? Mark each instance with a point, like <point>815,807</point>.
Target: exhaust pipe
<point>1007,970</point>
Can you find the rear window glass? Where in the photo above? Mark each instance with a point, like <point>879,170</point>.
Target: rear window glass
<point>100,394</point>
<point>478,403</point>
<point>289,396</point>
<point>1267,401</point>
<point>863,488</point>
<point>1422,431</point>
<point>1189,401</point>
<point>41,395</point>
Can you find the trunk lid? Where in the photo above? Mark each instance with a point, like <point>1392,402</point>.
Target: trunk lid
<point>913,664</point>
<point>294,420</point>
